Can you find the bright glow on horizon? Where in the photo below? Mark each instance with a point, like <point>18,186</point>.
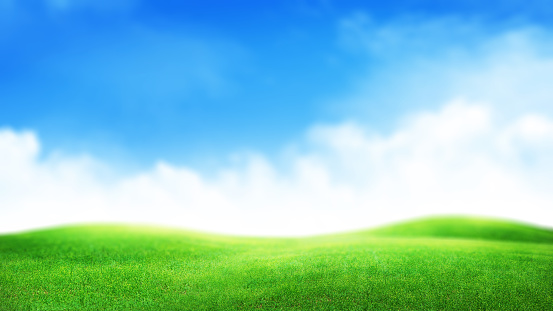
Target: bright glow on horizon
<point>454,161</point>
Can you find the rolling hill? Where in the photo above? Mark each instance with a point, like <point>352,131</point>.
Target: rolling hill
<point>428,264</point>
<point>465,228</point>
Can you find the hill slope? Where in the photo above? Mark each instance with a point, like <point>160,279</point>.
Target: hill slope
<point>465,228</point>
<point>141,268</point>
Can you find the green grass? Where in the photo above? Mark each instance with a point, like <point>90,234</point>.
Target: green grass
<point>466,228</point>
<point>432,264</point>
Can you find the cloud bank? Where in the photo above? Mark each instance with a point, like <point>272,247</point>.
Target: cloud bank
<point>412,64</point>
<point>456,160</point>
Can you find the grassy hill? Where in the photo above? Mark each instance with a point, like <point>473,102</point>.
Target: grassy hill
<point>430,264</point>
<point>465,228</point>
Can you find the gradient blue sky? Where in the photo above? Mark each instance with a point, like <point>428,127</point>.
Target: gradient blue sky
<point>135,81</point>
<point>253,116</point>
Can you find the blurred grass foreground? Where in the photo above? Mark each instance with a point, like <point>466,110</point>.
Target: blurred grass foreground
<point>429,264</point>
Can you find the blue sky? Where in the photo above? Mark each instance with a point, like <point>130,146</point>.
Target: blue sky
<point>139,87</point>
<point>143,80</point>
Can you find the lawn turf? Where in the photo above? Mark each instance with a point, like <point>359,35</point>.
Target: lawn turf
<point>431,264</point>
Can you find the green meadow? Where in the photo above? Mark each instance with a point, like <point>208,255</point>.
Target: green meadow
<point>430,264</point>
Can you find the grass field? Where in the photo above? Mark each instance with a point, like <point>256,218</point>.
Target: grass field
<point>432,264</point>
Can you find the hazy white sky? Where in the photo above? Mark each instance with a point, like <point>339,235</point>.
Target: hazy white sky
<point>457,160</point>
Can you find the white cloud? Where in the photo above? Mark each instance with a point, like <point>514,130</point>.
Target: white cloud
<point>456,160</point>
<point>420,64</point>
